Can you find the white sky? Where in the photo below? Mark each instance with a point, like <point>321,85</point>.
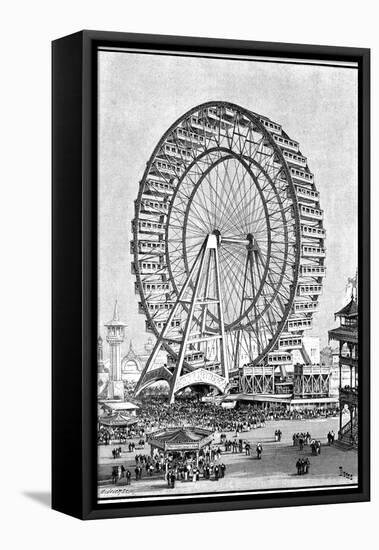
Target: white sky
<point>141,95</point>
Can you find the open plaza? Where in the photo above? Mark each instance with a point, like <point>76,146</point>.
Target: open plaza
<point>276,469</point>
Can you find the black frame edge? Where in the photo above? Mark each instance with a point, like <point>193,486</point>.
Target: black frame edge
<point>67,99</point>
<point>77,365</point>
<point>364,284</point>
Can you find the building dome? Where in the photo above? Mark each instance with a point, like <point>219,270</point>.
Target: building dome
<point>131,365</point>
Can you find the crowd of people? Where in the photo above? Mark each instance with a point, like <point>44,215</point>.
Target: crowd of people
<point>186,467</point>
<point>301,439</point>
<point>132,446</point>
<point>304,439</point>
<point>156,413</point>
<point>278,435</point>
<point>185,470</point>
<point>107,435</point>
<point>116,452</point>
<point>119,472</point>
<point>192,473</point>
<point>303,466</point>
<point>315,447</point>
<point>179,466</point>
<point>230,424</point>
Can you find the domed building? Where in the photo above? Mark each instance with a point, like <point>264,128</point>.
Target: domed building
<point>116,368</point>
<point>131,365</point>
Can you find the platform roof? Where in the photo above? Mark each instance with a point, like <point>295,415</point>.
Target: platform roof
<point>345,334</point>
<point>181,438</point>
<point>350,310</point>
<point>120,406</point>
<point>277,398</point>
<point>117,420</point>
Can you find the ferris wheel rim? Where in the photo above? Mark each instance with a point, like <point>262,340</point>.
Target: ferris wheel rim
<point>296,218</point>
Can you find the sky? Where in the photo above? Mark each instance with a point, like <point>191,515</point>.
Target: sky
<point>141,95</point>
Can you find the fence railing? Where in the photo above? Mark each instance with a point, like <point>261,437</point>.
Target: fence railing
<point>345,429</point>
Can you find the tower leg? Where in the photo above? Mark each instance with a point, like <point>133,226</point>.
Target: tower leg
<point>224,365</point>
<point>158,344</point>
<point>209,250</point>
<point>184,344</point>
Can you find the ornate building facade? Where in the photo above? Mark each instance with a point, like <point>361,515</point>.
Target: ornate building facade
<point>115,369</point>
<point>347,337</point>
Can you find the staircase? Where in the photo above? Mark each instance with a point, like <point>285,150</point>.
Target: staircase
<point>344,435</point>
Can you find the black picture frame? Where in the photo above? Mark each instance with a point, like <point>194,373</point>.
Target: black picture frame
<point>74,272</point>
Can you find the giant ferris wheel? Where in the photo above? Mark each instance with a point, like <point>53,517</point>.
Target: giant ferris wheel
<point>228,246</point>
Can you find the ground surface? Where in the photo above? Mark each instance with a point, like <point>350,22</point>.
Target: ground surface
<point>275,470</point>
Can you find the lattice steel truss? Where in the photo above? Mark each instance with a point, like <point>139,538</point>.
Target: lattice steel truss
<point>258,379</point>
<point>311,381</point>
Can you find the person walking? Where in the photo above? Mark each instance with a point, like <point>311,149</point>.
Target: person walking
<point>128,476</point>
<point>217,472</point>
<point>172,479</point>
<point>259,451</point>
<point>114,475</point>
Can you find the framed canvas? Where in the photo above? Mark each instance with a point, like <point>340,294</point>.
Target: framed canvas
<point>211,291</point>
